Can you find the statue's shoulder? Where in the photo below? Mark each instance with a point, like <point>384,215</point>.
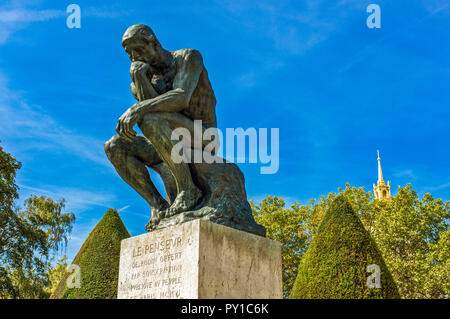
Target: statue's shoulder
<point>188,54</point>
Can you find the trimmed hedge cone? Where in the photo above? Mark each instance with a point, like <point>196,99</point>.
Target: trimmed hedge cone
<point>97,262</point>
<point>335,266</point>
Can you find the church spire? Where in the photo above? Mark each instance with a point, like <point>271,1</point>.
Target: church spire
<point>381,190</point>
<point>380,172</point>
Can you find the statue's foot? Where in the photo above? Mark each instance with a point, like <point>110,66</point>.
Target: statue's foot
<point>152,223</point>
<point>184,201</point>
<point>157,215</point>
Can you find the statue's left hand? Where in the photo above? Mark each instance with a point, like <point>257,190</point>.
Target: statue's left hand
<point>127,121</point>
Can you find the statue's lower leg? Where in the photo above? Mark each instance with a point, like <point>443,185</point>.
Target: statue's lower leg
<point>188,194</point>
<point>158,129</point>
<point>135,173</point>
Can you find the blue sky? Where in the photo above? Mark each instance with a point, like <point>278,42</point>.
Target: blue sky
<point>337,91</point>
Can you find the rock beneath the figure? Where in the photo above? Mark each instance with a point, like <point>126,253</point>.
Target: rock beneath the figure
<point>224,198</point>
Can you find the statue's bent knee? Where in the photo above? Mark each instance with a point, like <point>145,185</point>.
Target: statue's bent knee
<point>114,146</point>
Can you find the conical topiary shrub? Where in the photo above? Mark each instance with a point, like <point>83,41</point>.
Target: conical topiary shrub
<point>98,261</point>
<point>335,264</point>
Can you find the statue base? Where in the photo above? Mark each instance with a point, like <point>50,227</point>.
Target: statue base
<point>199,260</point>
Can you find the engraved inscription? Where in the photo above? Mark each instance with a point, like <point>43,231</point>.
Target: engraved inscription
<point>162,245</point>
<point>155,268</point>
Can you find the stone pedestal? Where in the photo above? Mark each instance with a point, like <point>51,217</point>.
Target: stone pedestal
<point>199,260</point>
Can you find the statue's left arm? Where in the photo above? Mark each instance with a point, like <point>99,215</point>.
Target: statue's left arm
<point>175,100</point>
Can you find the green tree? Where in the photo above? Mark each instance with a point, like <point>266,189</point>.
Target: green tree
<point>30,237</point>
<point>411,233</point>
<point>335,264</point>
<point>8,194</point>
<point>56,273</point>
<point>287,226</point>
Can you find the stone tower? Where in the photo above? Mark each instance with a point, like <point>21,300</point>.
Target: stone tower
<point>381,190</point>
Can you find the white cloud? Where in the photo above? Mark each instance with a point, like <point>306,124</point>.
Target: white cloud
<point>435,188</point>
<point>295,29</point>
<point>247,79</point>
<point>432,7</point>
<point>31,124</point>
<point>123,208</point>
<point>76,199</point>
<point>13,19</point>
<point>22,15</point>
<point>436,6</point>
<point>406,173</point>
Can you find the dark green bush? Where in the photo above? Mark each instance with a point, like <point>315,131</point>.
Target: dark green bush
<point>335,264</point>
<point>98,260</point>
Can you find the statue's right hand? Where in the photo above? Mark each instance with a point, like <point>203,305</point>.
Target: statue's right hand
<point>127,121</point>
<point>139,68</point>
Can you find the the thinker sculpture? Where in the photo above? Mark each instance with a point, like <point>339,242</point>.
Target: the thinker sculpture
<point>173,90</point>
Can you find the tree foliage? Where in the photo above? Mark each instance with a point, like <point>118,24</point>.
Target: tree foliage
<point>56,274</point>
<point>29,236</point>
<point>289,226</point>
<point>411,233</point>
<point>8,194</point>
<point>335,264</point>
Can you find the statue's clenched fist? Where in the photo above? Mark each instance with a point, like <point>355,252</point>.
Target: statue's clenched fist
<point>139,68</point>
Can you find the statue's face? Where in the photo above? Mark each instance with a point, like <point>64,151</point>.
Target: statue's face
<point>141,50</point>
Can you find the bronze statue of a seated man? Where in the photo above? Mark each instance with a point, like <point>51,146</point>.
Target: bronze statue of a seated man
<point>173,90</point>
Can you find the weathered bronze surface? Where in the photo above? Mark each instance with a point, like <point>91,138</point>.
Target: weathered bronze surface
<point>173,90</point>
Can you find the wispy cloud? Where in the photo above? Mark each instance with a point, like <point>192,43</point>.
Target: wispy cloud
<point>435,188</point>
<point>295,29</point>
<point>436,6</point>
<point>76,199</point>
<point>405,173</point>
<point>23,15</point>
<point>432,7</point>
<point>291,30</point>
<point>30,123</point>
<point>13,19</point>
<point>123,208</point>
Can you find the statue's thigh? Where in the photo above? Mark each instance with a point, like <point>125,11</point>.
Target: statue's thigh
<point>152,121</point>
<point>157,123</point>
<point>145,151</point>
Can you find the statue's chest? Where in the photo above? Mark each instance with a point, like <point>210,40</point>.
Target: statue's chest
<point>163,81</point>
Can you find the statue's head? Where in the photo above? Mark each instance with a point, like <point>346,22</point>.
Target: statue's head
<point>141,44</point>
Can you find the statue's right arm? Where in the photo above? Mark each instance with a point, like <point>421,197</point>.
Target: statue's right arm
<point>134,91</point>
<point>141,87</point>
<point>184,84</point>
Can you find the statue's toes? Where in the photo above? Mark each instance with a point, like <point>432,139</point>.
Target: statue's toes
<point>184,202</point>
<point>152,224</point>
<point>174,210</point>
